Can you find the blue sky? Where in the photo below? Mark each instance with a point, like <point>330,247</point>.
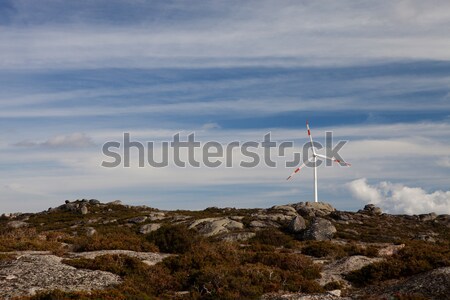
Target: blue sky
<point>75,74</point>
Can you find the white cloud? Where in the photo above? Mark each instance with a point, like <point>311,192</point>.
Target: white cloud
<point>212,125</point>
<point>262,33</point>
<point>398,198</point>
<point>74,140</point>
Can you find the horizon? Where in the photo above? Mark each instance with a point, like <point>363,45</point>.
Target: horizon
<point>75,75</point>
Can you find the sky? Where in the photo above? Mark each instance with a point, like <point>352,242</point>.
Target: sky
<point>77,74</point>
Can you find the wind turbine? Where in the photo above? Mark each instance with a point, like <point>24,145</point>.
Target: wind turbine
<point>314,160</point>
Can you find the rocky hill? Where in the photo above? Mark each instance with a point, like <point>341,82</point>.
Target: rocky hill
<point>86,249</point>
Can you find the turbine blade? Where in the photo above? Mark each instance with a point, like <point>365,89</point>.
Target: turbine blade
<point>310,137</point>
<point>333,159</point>
<point>296,171</point>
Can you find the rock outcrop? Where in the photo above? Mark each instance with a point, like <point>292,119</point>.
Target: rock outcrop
<point>371,209</point>
<point>147,228</point>
<point>29,273</point>
<point>320,230</point>
<point>434,285</point>
<point>313,209</point>
<point>17,224</point>
<point>215,226</point>
<point>297,224</point>
<point>336,270</point>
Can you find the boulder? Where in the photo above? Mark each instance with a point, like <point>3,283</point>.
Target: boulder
<point>147,228</point>
<point>320,230</point>
<point>341,215</point>
<point>259,224</point>
<point>17,224</point>
<point>94,202</point>
<point>90,231</point>
<point>297,224</point>
<point>137,220</point>
<point>116,202</point>
<point>215,226</point>
<point>156,216</point>
<point>313,209</point>
<point>371,209</point>
<point>286,209</point>
<point>274,217</point>
<point>427,217</point>
<point>84,210</point>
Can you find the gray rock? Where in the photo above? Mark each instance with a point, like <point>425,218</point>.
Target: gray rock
<point>94,202</point>
<point>84,210</point>
<point>147,228</point>
<point>17,224</point>
<point>275,217</point>
<point>259,224</point>
<point>371,209</point>
<point>425,238</point>
<point>427,217</point>
<point>156,216</point>
<point>46,272</point>
<point>67,207</point>
<point>116,202</point>
<point>137,220</point>
<point>433,284</point>
<point>286,209</point>
<point>341,216</point>
<point>313,209</point>
<point>149,258</point>
<point>297,224</point>
<point>237,236</point>
<point>215,226</point>
<point>320,230</point>
<point>336,270</point>
<point>90,231</point>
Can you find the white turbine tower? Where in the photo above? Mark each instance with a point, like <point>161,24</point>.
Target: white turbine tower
<point>314,161</point>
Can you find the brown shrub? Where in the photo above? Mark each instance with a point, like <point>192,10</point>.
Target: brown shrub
<point>414,258</point>
<point>112,238</point>
<point>174,238</point>
<point>22,239</point>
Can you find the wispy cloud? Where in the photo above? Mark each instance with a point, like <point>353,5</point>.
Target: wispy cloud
<point>73,140</point>
<point>253,33</point>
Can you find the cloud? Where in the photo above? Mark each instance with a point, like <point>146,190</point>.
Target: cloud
<point>74,140</point>
<point>254,33</point>
<point>208,126</point>
<point>398,198</point>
